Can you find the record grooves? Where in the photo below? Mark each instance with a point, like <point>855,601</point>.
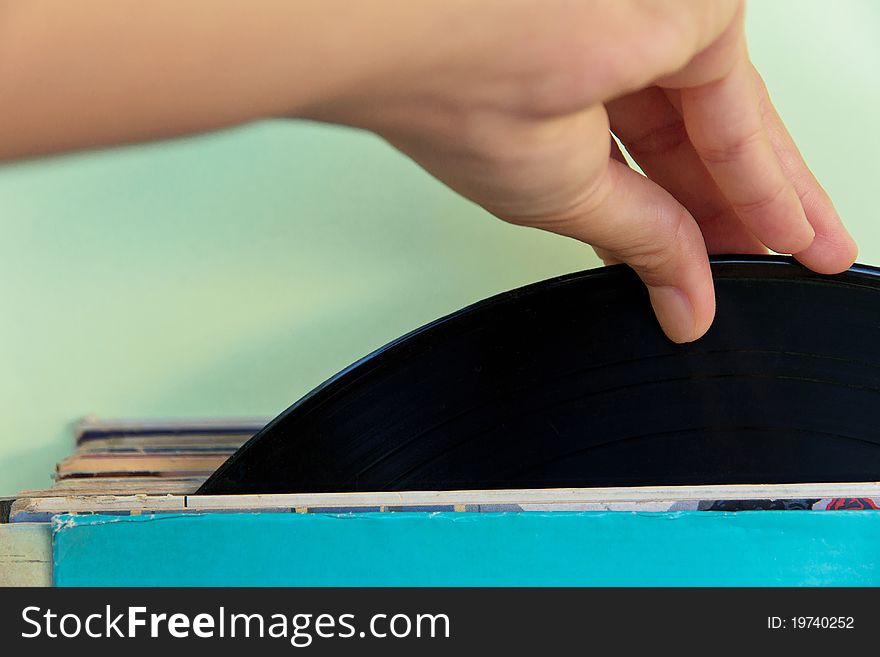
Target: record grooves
<point>570,383</point>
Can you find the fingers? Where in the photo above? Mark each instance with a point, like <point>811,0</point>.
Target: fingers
<point>631,219</point>
<point>726,128</point>
<point>833,250</point>
<point>654,134</point>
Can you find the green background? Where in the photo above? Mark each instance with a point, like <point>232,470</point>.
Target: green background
<point>229,274</point>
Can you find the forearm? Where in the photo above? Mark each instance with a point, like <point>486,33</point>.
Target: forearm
<point>98,72</point>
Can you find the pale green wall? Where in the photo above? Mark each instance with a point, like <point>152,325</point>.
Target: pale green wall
<point>229,274</point>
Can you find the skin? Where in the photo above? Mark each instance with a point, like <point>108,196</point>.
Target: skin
<point>509,102</point>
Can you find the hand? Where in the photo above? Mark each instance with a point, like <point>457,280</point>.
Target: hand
<point>509,102</point>
<point>518,117</point>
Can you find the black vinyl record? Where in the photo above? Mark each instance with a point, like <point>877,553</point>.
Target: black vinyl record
<point>570,383</point>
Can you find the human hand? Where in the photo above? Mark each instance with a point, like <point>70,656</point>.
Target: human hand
<point>515,112</point>
<point>509,102</point>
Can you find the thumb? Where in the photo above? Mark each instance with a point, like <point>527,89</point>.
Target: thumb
<point>637,222</point>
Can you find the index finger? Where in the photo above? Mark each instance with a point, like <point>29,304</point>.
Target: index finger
<point>724,122</point>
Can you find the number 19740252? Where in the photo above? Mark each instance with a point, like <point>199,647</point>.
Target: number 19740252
<point>810,623</point>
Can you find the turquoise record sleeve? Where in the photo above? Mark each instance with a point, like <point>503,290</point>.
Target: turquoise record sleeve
<point>688,548</point>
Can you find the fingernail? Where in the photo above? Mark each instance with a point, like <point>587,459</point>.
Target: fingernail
<point>799,239</point>
<point>674,312</point>
<point>807,233</point>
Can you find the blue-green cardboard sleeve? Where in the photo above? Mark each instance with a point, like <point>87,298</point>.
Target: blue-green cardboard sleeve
<point>761,548</point>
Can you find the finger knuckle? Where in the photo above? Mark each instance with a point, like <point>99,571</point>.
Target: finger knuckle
<point>764,201</point>
<point>660,140</point>
<point>726,151</point>
<point>658,251</point>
